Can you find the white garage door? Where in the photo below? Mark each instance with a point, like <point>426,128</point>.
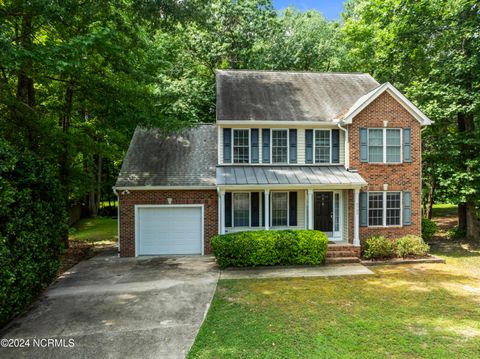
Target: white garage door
<point>169,230</point>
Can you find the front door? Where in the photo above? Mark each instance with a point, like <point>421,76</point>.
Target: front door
<point>323,211</point>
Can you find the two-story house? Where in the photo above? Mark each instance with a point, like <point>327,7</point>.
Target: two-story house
<point>336,152</point>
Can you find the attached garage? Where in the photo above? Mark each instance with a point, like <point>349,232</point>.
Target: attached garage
<point>169,229</point>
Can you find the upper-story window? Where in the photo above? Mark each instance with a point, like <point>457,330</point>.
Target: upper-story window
<point>241,146</point>
<point>279,146</point>
<point>322,146</point>
<point>384,145</point>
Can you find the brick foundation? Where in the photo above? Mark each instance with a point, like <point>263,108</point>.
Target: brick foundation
<point>136,197</point>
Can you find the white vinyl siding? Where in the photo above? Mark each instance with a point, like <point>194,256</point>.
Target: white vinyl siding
<point>300,144</point>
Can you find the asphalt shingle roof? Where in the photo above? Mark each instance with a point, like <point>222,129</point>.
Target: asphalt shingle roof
<point>288,96</point>
<point>187,158</point>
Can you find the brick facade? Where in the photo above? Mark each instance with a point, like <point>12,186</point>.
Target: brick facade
<point>399,177</point>
<point>128,201</point>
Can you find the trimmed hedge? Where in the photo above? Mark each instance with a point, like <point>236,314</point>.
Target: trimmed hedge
<point>32,223</point>
<point>411,246</point>
<point>266,248</point>
<point>377,247</point>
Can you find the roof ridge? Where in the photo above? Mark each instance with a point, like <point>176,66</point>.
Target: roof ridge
<point>296,72</point>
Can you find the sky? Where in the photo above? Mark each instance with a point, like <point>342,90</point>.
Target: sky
<point>331,9</point>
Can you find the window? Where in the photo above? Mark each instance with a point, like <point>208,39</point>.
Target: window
<point>375,208</point>
<point>375,145</point>
<point>384,208</point>
<point>240,146</point>
<point>279,209</point>
<point>384,145</point>
<point>393,146</point>
<point>279,146</point>
<point>393,208</point>
<point>322,146</point>
<point>241,209</point>
<point>337,212</point>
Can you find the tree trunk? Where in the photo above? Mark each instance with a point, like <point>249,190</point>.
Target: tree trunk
<point>429,205</point>
<point>473,221</point>
<point>64,123</point>
<point>99,182</point>
<point>462,217</point>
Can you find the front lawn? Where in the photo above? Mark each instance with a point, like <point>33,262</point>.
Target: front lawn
<point>419,311</point>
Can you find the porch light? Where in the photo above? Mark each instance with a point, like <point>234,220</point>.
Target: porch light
<point>169,200</point>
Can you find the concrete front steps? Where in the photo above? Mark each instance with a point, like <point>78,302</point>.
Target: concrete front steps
<point>342,253</point>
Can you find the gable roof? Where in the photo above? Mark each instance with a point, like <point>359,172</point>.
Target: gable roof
<point>288,96</point>
<point>368,98</point>
<point>187,158</point>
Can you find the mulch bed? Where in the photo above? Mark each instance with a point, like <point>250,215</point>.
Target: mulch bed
<point>426,259</point>
<point>79,251</point>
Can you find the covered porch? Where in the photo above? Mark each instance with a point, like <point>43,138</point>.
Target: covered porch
<point>293,197</point>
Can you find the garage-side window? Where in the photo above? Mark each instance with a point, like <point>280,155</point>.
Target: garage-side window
<point>241,209</point>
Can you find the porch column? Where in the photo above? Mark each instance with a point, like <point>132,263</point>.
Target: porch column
<point>356,218</point>
<point>221,215</point>
<point>310,208</point>
<point>267,209</point>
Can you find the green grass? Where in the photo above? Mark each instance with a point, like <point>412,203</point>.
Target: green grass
<point>99,230</point>
<point>444,210</point>
<point>408,311</point>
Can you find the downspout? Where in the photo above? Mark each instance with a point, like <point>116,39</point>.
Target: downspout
<point>347,145</point>
<point>118,218</point>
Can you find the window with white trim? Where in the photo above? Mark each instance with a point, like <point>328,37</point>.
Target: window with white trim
<point>384,209</point>
<point>279,146</point>
<point>279,208</point>
<point>241,146</point>
<point>393,208</point>
<point>322,146</point>
<point>241,209</point>
<point>384,145</point>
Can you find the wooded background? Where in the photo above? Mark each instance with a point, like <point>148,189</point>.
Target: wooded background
<point>78,76</point>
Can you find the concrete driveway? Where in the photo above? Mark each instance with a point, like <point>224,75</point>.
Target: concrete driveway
<point>118,308</point>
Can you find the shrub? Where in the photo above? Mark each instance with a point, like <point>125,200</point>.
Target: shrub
<point>377,247</point>
<point>263,248</point>
<point>429,228</point>
<point>456,233</point>
<point>32,222</point>
<point>411,246</point>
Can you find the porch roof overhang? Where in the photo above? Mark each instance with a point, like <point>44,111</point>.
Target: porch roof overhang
<point>300,177</point>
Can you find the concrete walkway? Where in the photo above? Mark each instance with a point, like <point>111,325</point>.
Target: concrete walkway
<point>119,308</point>
<point>291,272</point>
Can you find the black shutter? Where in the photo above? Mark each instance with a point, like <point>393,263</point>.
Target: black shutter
<point>335,146</point>
<point>308,146</point>
<point>293,145</point>
<point>266,145</point>
<point>255,203</point>
<point>228,209</point>
<point>293,209</point>
<point>254,145</point>
<point>227,145</point>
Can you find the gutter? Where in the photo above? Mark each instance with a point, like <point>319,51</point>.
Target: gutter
<point>118,218</point>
